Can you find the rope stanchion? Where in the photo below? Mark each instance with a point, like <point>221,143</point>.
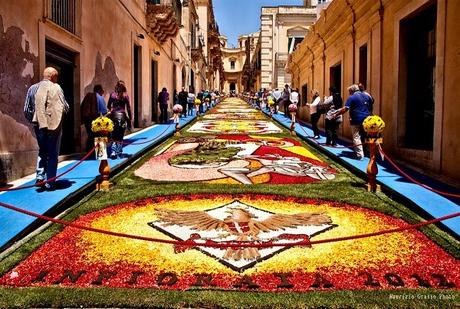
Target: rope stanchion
<point>232,244</point>
<point>389,160</point>
<point>42,183</point>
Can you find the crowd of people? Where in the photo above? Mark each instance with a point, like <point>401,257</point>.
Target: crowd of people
<point>45,106</point>
<point>359,104</point>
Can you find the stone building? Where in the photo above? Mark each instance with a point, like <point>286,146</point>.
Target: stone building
<point>252,65</point>
<point>282,28</point>
<point>233,62</point>
<point>150,44</point>
<point>406,52</point>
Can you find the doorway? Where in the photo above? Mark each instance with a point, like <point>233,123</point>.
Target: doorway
<point>335,80</point>
<point>417,77</point>
<point>192,80</point>
<point>363,65</point>
<point>304,94</point>
<point>154,87</point>
<point>184,78</point>
<point>232,86</point>
<point>63,60</point>
<point>137,66</point>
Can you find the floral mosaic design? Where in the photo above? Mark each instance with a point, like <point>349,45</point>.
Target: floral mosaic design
<point>241,116</point>
<point>88,259</point>
<point>237,159</point>
<point>234,127</point>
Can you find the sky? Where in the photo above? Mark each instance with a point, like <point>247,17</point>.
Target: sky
<point>237,17</point>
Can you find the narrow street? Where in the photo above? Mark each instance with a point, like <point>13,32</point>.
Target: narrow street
<point>234,203</point>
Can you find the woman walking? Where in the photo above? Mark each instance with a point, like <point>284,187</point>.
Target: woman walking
<point>120,113</point>
<point>314,114</point>
<point>163,98</point>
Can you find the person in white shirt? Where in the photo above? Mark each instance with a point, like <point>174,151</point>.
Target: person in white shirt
<point>276,99</point>
<point>190,101</point>
<point>314,115</point>
<point>294,98</point>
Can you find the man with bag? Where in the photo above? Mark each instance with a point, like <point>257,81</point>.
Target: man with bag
<point>44,107</point>
<point>359,110</point>
<point>92,106</point>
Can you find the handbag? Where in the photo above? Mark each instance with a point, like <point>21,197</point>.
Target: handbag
<point>322,107</point>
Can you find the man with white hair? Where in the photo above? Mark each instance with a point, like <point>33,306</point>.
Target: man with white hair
<point>44,107</point>
<point>356,104</point>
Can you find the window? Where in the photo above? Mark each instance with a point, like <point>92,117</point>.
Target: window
<point>363,64</point>
<point>63,14</point>
<point>232,64</point>
<point>293,42</point>
<point>193,36</point>
<point>417,78</point>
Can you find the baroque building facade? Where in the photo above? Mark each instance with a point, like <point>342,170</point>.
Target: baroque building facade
<point>149,44</point>
<point>406,53</point>
<point>282,29</point>
<point>233,61</point>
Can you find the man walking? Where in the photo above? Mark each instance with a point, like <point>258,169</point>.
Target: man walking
<point>358,107</point>
<point>92,106</point>
<point>46,100</point>
<point>285,95</point>
<point>276,99</point>
<point>163,98</point>
<point>183,95</point>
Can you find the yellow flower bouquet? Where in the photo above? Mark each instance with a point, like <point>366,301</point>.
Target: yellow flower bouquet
<point>373,125</point>
<point>102,125</point>
<point>197,101</point>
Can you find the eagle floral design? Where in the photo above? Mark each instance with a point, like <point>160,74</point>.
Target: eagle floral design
<point>240,225</point>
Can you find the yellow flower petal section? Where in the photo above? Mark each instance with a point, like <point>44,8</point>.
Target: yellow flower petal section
<point>372,252</point>
<point>302,151</point>
<point>265,137</point>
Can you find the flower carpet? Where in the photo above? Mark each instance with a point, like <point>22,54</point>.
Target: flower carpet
<point>237,204</point>
<point>236,159</point>
<point>81,258</point>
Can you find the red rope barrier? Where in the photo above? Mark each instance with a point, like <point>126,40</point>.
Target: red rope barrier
<point>39,184</point>
<point>42,183</point>
<point>413,179</point>
<point>192,243</point>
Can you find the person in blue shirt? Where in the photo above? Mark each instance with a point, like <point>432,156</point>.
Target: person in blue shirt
<point>101,106</point>
<point>358,106</point>
<point>93,106</point>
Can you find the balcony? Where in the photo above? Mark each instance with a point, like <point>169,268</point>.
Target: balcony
<point>164,18</point>
<point>281,59</point>
<point>197,53</point>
